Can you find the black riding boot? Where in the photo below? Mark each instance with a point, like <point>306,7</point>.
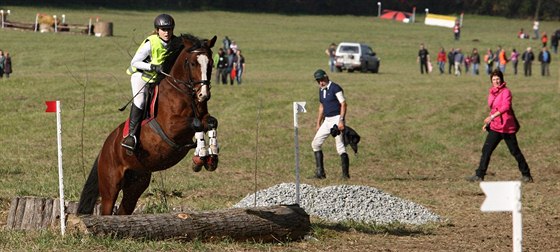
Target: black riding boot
<point>131,141</point>
<point>345,162</point>
<point>320,173</point>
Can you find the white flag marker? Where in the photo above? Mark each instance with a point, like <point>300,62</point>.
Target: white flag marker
<point>299,107</point>
<point>505,196</point>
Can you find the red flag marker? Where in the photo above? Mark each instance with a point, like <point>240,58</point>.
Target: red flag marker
<point>51,106</point>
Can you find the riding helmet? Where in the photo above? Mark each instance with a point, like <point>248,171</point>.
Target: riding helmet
<point>163,21</point>
<point>319,74</point>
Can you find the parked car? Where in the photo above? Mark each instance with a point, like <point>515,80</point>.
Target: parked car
<point>356,56</point>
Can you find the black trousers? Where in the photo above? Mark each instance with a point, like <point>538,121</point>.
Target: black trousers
<point>423,66</point>
<point>492,140</point>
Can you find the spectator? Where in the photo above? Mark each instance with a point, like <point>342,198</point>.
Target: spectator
<point>489,61</point>
<point>2,59</point>
<point>528,58</point>
<point>468,61</point>
<point>475,58</point>
<point>441,58</point>
<point>536,29</point>
<point>522,35</point>
<point>501,125</point>
<point>514,58</point>
<point>233,46</point>
<point>497,58</point>
<point>451,59</point>
<point>459,58</point>
<point>221,66</point>
<point>544,39</point>
<point>239,65</point>
<point>554,42</point>
<point>226,43</point>
<point>330,51</point>
<point>457,30</point>
<point>7,65</point>
<point>229,67</point>
<point>544,58</point>
<point>332,112</point>
<point>423,58</point>
<point>503,60</point>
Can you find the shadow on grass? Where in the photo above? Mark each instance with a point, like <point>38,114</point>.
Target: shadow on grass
<point>395,229</point>
<point>409,178</point>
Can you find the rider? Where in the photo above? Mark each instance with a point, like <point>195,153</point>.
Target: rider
<point>145,68</point>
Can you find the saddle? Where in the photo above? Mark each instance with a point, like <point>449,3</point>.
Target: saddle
<point>150,108</point>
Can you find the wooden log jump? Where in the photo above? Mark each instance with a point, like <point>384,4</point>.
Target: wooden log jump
<point>263,224</point>
<point>33,213</point>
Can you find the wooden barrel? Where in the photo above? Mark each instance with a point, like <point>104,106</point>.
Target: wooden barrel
<point>103,29</point>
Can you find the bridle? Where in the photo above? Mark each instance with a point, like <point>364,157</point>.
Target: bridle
<point>191,85</point>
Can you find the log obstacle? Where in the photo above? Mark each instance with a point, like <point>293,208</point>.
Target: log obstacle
<point>262,224</point>
<point>33,213</point>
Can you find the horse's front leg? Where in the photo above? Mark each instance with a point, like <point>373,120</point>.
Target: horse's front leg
<point>213,148</point>
<point>206,156</point>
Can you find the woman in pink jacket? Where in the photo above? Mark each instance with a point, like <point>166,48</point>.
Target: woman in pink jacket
<point>501,124</point>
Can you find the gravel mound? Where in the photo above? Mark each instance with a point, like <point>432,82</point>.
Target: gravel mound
<point>344,203</point>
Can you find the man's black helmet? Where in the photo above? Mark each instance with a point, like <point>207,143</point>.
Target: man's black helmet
<point>164,21</point>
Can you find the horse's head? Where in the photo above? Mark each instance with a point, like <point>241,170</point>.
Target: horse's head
<point>193,66</point>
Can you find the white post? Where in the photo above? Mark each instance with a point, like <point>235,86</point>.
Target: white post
<point>2,16</point>
<point>298,107</point>
<point>427,11</point>
<point>378,9</point>
<point>517,220</point>
<point>63,18</point>
<point>55,24</point>
<point>89,27</point>
<point>461,20</point>
<point>60,171</point>
<point>413,14</point>
<point>36,22</point>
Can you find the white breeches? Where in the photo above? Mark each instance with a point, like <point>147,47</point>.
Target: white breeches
<point>138,88</point>
<point>324,132</point>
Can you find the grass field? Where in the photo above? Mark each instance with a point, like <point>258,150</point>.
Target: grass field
<point>420,133</point>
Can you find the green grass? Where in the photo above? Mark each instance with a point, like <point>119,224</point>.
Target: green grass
<point>418,131</point>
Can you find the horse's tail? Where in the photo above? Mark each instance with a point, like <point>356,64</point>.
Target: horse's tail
<point>90,193</point>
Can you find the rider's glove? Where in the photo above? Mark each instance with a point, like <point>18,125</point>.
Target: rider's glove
<point>155,68</point>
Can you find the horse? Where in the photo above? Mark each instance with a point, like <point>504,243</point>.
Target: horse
<point>181,112</point>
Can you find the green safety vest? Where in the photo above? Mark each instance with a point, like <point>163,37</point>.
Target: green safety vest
<point>158,56</point>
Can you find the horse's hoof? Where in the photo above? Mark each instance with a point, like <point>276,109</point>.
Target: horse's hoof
<point>211,163</point>
<point>198,162</point>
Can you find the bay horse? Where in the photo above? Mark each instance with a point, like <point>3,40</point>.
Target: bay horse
<point>181,112</point>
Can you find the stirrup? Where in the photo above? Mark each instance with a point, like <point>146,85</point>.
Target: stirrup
<point>126,142</point>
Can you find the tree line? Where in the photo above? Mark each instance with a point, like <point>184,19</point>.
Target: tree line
<point>530,9</point>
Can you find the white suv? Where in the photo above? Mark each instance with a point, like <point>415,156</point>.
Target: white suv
<point>352,56</point>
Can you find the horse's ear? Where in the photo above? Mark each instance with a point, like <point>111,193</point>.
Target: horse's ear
<point>212,42</point>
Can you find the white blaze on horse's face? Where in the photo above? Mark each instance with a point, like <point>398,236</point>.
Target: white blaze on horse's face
<point>203,61</point>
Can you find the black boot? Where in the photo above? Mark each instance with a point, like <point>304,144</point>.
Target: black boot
<point>345,164</point>
<point>320,173</point>
<point>131,141</point>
